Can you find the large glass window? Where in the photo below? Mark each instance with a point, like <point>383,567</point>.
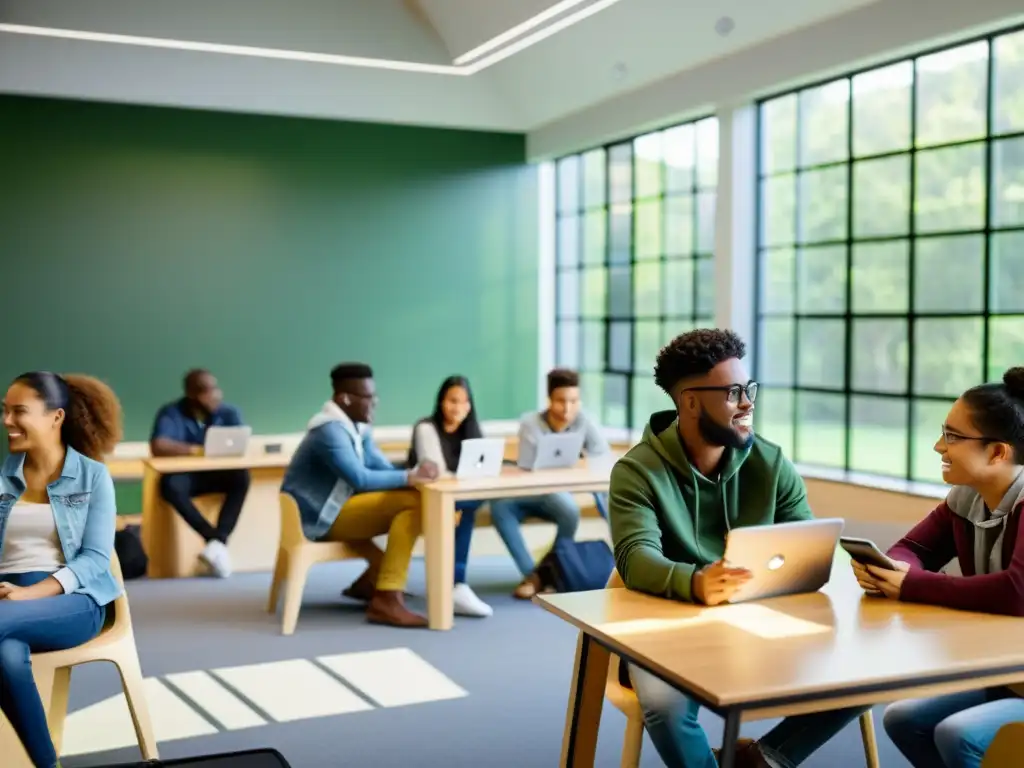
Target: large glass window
<point>635,240</point>
<point>890,254</point>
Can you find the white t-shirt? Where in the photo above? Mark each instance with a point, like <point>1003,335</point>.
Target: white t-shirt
<point>30,540</point>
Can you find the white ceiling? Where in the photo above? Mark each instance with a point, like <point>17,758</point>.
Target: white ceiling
<point>622,47</point>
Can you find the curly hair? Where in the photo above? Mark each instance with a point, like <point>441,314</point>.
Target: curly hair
<point>93,422</point>
<point>694,353</point>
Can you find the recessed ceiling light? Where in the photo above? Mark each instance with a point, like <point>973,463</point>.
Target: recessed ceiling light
<point>457,68</point>
<point>517,30</point>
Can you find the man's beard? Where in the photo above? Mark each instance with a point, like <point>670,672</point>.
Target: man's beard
<point>718,435</point>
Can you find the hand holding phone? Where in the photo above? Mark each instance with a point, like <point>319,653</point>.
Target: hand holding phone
<point>886,579</point>
<point>866,552</point>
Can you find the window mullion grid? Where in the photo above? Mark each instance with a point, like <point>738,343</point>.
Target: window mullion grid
<point>987,197</point>
<point>911,274</point>
<point>694,232</point>
<point>848,337</point>
<point>797,259</point>
<point>606,363</point>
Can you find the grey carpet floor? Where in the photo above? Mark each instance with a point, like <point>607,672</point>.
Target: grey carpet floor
<point>515,667</point>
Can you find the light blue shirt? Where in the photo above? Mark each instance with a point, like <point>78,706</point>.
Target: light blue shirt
<point>85,513</point>
<point>335,460</point>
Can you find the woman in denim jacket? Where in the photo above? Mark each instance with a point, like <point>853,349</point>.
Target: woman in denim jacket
<point>57,516</point>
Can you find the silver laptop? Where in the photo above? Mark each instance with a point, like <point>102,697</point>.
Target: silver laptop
<point>557,450</point>
<point>227,441</point>
<point>481,457</point>
<point>786,558</point>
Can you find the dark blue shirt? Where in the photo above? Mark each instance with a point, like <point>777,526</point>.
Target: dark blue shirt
<point>174,422</point>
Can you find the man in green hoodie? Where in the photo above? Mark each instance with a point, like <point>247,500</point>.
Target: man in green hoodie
<point>698,472</point>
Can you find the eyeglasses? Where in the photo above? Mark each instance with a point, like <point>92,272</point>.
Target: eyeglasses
<point>372,398</point>
<point>955,437</point>
<point>733,392</point>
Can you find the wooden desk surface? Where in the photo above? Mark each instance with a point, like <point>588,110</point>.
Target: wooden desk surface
<point>583,477</point>
<point>837,643</point>
<point>168,464</point>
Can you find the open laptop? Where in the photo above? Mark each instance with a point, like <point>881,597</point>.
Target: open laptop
<point>226,441</point>
<point>557,450</point>
<point>481,457</point>
<point>786,558</point>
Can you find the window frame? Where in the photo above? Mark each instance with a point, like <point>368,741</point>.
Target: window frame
<point>694,258</point>
<point>908,395</point>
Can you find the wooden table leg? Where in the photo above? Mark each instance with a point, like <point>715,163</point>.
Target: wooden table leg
<point>586,699</point>
<point>727,756</point>
<point>155,528</point>
<point>439,538</point>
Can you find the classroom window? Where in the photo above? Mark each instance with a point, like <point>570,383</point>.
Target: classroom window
<point>635,226</point>
<point>890,253</point>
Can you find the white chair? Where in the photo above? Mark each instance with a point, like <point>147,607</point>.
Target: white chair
<point>115,643</point>
<point>295,556</point>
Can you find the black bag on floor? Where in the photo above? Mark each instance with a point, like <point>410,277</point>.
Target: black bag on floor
<point>576,566</point>
<point>254,758</point>
<point>128,546</point>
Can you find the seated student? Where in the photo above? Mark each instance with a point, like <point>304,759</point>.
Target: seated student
<point>563,414</point>
<point>982,451</point>
<point>348,491</point>
<point>698,472</point>
<point>57,501</point>
<point>438,438</point>
<point>180,430</point>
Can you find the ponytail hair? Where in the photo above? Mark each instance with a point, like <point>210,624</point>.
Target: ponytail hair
<point>93,422</point>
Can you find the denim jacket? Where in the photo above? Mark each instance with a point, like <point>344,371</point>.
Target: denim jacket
<point>335,460</point>
<point>82,500</point>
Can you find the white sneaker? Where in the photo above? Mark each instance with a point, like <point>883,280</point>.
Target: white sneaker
<point>466,603</point>
<point>215,555</point>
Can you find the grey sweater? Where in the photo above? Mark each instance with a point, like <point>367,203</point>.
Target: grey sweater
<point>533,424</point>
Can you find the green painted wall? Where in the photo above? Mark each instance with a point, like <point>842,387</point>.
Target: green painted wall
<point>138,242</point>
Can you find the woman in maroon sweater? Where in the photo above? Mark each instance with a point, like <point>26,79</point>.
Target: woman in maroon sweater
<point>982,450</point>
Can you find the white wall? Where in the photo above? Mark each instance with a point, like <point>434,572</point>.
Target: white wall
<point>876,32</point>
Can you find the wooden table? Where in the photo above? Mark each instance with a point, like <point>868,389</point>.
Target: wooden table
<point>783,656</point>
<point>173,547</point>
<point>439,517</point>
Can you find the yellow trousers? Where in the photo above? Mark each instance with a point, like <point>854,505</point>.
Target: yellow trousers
<point>396,513</point>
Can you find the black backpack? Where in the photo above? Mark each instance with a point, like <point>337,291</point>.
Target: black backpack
<point>128,546</point>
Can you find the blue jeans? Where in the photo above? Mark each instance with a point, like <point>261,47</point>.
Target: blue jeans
<point>952,731</point>
<point>34,626</point>
<point>463,536</point>
<point>671,721</point>
<point>507,516</point>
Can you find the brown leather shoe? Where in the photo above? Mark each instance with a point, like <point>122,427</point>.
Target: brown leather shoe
<point>529,587</point>
<point>742,745</point>
<point>388,607</point>
<point>361,589</point>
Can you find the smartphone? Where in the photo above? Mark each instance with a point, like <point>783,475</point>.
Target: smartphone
<point>865,551</point>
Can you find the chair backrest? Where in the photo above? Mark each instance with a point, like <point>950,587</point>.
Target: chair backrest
<point>291,521</point>
<point>119,617</point>
<point>1005,748</point>
<point>615,581</point>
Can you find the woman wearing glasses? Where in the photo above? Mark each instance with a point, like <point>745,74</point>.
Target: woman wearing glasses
<point>982,452</point>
